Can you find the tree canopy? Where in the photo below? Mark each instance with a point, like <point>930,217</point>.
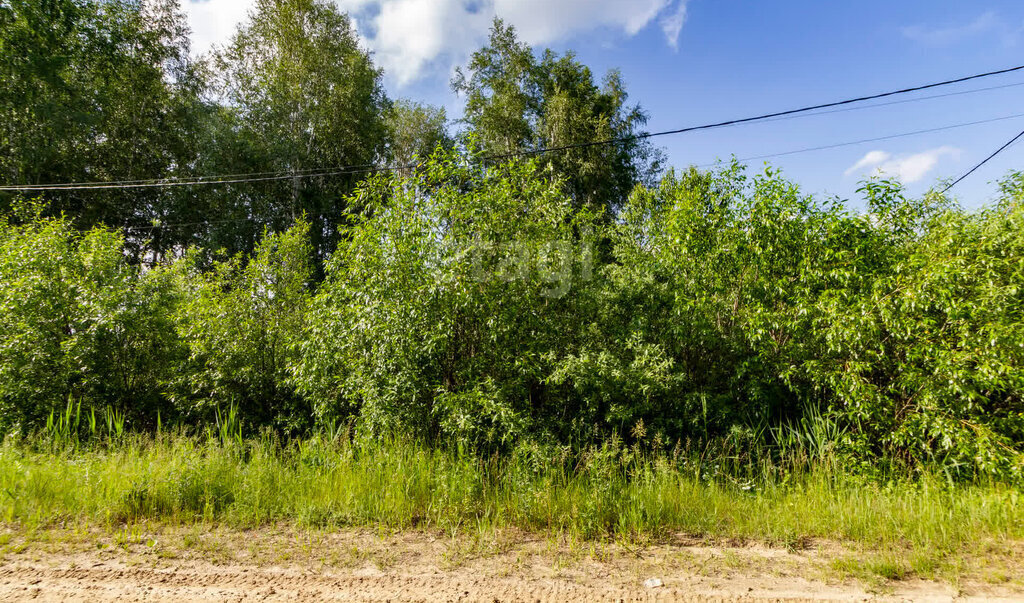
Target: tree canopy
<point>96,90</point>
<point>517,101</point>
<point>302,95</point>
<point>107,91</point>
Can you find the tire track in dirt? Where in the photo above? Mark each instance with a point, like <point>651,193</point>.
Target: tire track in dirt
<point>279,563</point>
<point>255,584</point>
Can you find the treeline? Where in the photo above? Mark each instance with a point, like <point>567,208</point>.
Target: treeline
<point>107,91</point>
<point>481,305</point>
<point>559,299</point>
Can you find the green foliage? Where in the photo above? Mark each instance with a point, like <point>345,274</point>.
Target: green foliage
<point>727,306</point>
<point>480,305</point>
<point>927,363</point>
<point>699,317</point>
<point>79,324</point>
<point>299,94</point>
<point>442,312</point>
<point>415,131</point>
<point>95,90</point>
<point>240,321</point>
<point>516,101</point>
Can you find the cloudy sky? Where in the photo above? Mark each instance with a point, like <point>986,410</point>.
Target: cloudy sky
<point>695,61</point>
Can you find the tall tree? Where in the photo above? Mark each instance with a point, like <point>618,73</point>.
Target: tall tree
<point>416,130</point>
<point>95,90</point>
<point>302,95</point>
<point>517,101</point>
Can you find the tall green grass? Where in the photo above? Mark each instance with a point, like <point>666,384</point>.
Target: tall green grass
<point>607,491</point>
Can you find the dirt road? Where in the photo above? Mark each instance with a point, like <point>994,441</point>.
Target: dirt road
<point>194,564</point>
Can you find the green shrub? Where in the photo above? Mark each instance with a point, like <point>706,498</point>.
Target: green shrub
<point>480,305</point>
<point>240,321</point>
<point>702,315</point>
<point>79,324</point>
<point>447,308</point>
<point>928,364</point>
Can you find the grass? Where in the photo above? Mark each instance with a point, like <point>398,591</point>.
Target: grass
<point>607,492</point>
<point>165,495</point>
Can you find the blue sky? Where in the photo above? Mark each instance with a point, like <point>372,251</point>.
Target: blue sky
<point>697,61</point>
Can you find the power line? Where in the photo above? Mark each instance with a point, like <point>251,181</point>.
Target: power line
<point>986,160</point>
<point>182,180</point>
<point>877,139</point>
<point>900,102</point>
<point>744,160</point>
<point>533,152</point>
<point>157,184</point>
<point>320,172</point>
<point>766,116</point>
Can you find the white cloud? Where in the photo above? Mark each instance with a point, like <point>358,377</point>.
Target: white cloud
<point>214,21</point>
<point>907,168</point>
<point>987,23</point>
<point>412,37</point>
<point>407,36</point>
<point>872,158</point>
<point>672,25</point>
<point>545,21</point>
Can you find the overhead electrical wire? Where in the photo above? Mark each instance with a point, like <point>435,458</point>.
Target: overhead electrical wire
<point>325,172</point>
<point>984,161</point>
<point>876,139</point>
<point>742,160</point>
<point>285,174</point>
<point>180,180</point>
<point>281,176</point>
<point>898,102</point>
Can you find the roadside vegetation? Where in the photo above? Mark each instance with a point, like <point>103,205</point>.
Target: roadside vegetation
<point>579,343</point>
<point>478,308</point>
<point>612,491</point>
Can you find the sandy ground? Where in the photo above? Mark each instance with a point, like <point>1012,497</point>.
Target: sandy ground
<point>193,563</point>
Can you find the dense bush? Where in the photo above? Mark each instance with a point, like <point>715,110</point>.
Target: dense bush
<point>240,320</point>
<point>80,325</point>
<point>450,304</point>
<point>481,305</point>
<point>927,362</point>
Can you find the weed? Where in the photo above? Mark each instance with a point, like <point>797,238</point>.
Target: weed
<point>391,484</point>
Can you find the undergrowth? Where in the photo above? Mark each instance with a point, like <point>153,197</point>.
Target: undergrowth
<point>334,479</point>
